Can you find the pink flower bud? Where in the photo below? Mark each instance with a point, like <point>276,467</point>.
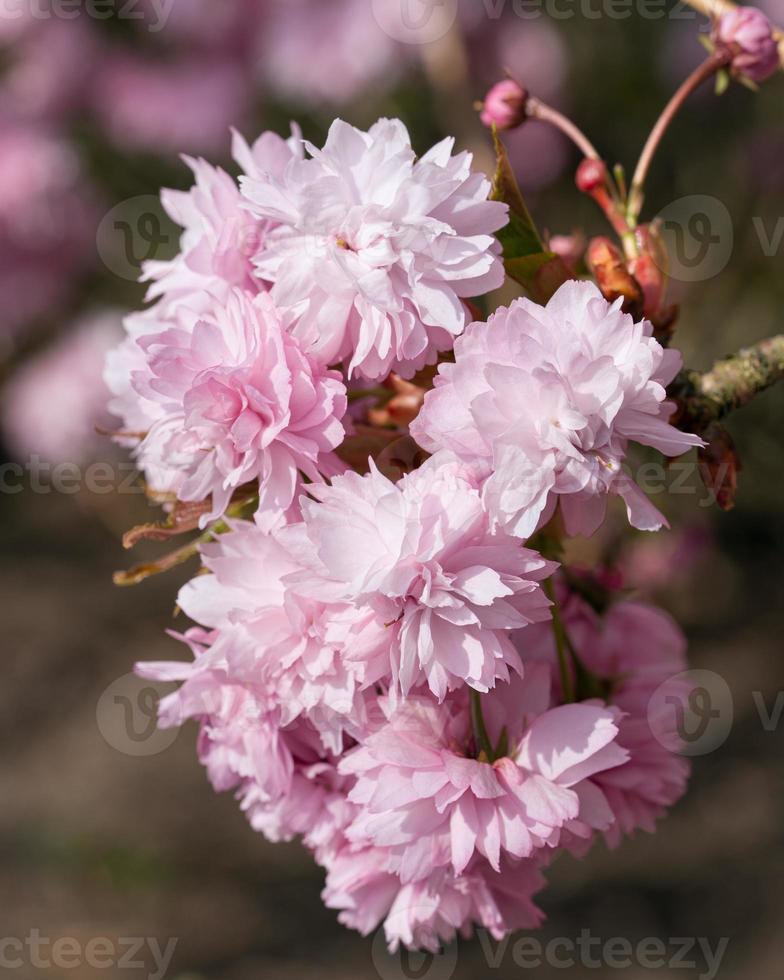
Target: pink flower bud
<point>504,105</point>
<point>748,33</point>
<point>591,176</point>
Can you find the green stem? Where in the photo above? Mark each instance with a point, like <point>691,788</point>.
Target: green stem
<point>562,644</point>
<point>480,730</point>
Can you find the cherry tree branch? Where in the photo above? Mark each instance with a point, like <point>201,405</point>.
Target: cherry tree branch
<point>730,384</point>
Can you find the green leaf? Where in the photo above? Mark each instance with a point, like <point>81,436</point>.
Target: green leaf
<point>520,235</point>
<point>722,81</point>
<point>526,261</point>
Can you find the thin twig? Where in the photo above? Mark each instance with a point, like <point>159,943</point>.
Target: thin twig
<point>700,74</point>
<point>536,109</point>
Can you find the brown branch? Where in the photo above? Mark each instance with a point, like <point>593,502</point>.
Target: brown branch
<point>729,385</point>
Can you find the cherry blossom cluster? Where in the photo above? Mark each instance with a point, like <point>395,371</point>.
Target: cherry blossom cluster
<point>388,663</point>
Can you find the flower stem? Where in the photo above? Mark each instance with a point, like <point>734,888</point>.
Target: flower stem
<point>537,109</point>
<point>709,67</point>
<point>481,737</point>
<point>562,644</point>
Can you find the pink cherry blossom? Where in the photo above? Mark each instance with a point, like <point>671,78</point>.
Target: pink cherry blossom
<point>238,401</point>
<point>315,659</point>
<point>546,400</point>
<point>428,797</point>
<point>750,36</point>
<point>504,105</point>
<point>280,773</point>
<point>631,650</point>
<point>220,236</point>
<point>375,250</point>
<point>430,913</point>
<point>421,555</point>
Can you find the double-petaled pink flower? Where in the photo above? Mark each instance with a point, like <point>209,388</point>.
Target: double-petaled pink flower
<point>237,401</point>
<point>430,798</point>
<point>422,556</point>
<point>544,402</point>
<point>374,250</point>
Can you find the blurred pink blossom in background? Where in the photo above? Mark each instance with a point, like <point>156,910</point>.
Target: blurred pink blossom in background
<point>47,220</point>
<point>53,403</point>
<point>325,52</point>
<point>184,107</point>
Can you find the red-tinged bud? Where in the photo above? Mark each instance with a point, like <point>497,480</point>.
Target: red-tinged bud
<point>749,36</point>
<point>612,276</point>
<point>648,268</point>
<point>504,105</point>
<point>591,176</point>
<point>402,408</point>
<point>719,466</point>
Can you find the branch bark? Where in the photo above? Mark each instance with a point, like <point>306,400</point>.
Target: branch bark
<point>730,384</point>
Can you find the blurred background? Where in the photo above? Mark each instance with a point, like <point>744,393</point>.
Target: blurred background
<point>108,829</point>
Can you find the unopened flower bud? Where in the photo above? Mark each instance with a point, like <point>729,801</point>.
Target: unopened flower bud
<point>591,176</point>
<point>504,105</point>
<point>648,269</point>
<point>748,34</point>
<point>612,276</point>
